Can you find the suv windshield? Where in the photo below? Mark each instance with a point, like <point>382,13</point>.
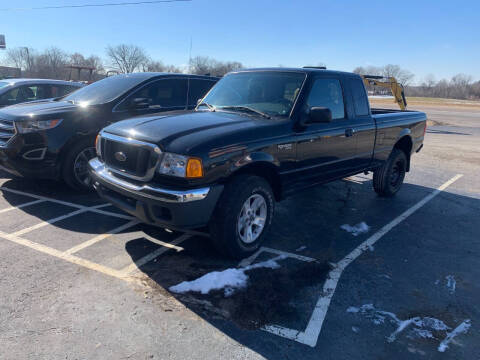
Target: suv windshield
<point>104,90</point>
<point>269,92</point>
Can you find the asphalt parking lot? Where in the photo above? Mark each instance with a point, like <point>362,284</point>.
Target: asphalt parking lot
<point>82,280</point>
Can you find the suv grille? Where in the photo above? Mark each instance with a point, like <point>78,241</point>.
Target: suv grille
<point>7,130</point>
<point>136,160</point>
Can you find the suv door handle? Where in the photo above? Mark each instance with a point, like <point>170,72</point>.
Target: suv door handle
<point>349,132</point>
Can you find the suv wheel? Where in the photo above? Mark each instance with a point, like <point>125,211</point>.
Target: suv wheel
<point>243,215</point>
<point>389,178</point>
<point>75,167</point>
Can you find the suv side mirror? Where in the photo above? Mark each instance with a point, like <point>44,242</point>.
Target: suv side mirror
<point>139,104</point>
<point>319,114</point>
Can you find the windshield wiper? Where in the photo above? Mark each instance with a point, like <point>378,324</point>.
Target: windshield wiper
<point>247,108</point>
<point>210,107</point>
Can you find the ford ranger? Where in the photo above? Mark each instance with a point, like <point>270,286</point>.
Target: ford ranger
<point>258,136</point>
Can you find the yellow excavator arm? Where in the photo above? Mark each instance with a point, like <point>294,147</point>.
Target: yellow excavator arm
<point>388,82</point>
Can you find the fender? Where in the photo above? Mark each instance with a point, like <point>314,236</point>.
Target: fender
<point>254,158</point>
<point>403,133</point>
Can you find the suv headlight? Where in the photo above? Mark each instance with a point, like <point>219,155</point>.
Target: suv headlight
<point>28,126</point>
<point>181,166</point>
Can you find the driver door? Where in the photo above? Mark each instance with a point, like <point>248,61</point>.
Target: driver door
<point>326,150</point>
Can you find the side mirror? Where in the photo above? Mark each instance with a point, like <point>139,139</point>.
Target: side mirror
<point>319,115</point>
<point>139,104</point>
<point>199,101</point>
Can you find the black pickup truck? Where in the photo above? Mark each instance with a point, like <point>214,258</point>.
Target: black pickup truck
<point>258,136</point>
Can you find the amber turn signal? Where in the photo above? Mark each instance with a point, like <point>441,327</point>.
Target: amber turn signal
<point>194,168</point>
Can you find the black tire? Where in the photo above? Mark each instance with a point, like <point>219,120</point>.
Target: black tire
<point>388,179</point>
<point>72,160</point>
<point>224,226</point>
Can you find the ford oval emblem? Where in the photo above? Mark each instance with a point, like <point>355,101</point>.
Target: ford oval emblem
<point>120,156</point>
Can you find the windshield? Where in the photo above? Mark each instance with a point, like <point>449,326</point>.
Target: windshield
<point>104,90</point>
<point>272,93</point>
<point>3,83</point>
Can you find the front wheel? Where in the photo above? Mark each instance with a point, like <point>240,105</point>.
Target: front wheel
<point>75,166</point>
<point>388,180</point>
<point>242,217</point>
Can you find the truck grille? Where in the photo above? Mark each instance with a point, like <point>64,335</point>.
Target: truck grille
<point>133,159</point>
<point>7,130</point>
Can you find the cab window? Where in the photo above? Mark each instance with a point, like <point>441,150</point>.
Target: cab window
<point>165,93</point>
<point>328,93</point>
<point>12,97</point>
<point>359,96</point>
<point>197,90</point>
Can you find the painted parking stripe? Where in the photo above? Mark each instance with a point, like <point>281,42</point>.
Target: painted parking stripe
<point>249,260</point>
<point>95,209</point>
<point>21,206</point>
<point>57,219</point>
<point>101,237</point>
<point>67,257</point>
<point>128,270</point>
<point>311,333</point>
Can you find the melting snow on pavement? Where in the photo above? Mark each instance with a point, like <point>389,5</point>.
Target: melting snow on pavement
<point>229,279</point>
<point>419,327</point>
<point>356,230</point>
<point>451,283</point>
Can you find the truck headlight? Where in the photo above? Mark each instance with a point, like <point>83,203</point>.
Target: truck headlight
<point>181,166</point>
<point>28,126</point>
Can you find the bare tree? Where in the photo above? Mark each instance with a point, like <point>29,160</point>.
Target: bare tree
<point>202,65</point>
<point>126,58</point>
<point>404,77</point>
<point>22,58</point>
<point>51,63</point>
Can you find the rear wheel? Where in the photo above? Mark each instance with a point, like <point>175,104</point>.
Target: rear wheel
<point>243,215</point>
<point>75,166</point>
<point>388,180</point>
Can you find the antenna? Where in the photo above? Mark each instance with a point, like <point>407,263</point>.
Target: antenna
<point>190,56</point>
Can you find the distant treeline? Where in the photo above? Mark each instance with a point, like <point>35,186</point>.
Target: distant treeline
<point>460,86</point>
<point>55,63</point>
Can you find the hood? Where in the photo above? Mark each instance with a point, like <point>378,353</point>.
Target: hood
<point>37,108</point>
<point>195,126</point>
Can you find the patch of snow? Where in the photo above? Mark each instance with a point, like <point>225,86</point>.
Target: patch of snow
<point>229,279</point>
<point>421,327</point>
<point>356,230</point>
<point>437,282</point>
<point>355,329</point>
<point>451,283</point>
<point>301,248</point>
<point>460,329</point>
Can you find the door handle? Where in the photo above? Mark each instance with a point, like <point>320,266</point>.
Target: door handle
<point>349,132</point>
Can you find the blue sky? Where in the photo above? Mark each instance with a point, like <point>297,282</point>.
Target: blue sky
<point>438,37</point>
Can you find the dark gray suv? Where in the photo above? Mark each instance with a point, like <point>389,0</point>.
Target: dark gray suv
<point>16,91</point>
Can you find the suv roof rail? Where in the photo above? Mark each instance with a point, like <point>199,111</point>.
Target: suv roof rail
<point>315,67</point>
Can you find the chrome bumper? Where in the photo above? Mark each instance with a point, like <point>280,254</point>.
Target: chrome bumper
<point>101,173</point>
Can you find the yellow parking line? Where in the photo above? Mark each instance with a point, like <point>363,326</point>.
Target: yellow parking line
<point>101,237</point>
<point>21,206</point>
<point>48,222</point>
<point>95,209</point>
<point>67,257</point>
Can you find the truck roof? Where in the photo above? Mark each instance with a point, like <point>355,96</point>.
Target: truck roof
<point>306,70</point>
<point>26,81</point>
<point>147,75</point>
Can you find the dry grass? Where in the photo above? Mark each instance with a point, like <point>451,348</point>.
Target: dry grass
<point>428,102</point>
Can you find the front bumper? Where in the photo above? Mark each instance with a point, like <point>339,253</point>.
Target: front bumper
<point>38,167</point>
<point>151,204</point>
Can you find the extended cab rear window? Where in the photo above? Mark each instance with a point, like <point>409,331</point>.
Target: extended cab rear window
<point>360,100</point>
